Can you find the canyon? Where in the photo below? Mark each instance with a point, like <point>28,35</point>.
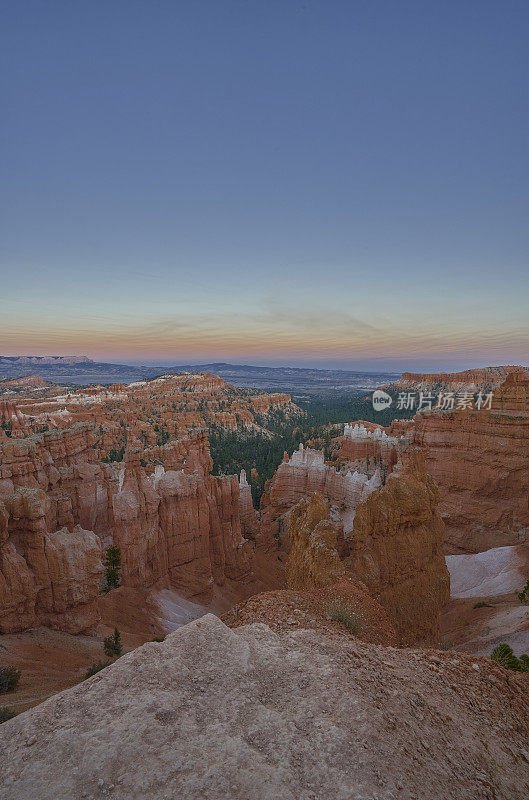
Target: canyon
<point>176,525</point>
<point>130,466</point>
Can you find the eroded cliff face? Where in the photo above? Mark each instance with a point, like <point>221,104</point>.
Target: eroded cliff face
<point>176,525</point>
<point>301,475</point>
<point>396,549</point>
<point>365,440</point>
<point>179,529</point>
<point>480,461</point>
<point>247,513</point>
<point>470,380</point>
<point>46,578</point>
<point>313,561</point>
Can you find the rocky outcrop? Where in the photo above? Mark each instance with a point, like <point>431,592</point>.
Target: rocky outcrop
<point>265,402</point>
<point>180,530</point>
<point>176,525</point>
<point>46,578</point>
<point>250,713</point>
<point>12,420</point>
<point>303,474</point>
<point>470,380</point>
<point>480,461</point>
<point>247,513</point>
<point>313,560</point>
<point>396,549</point>
<point>367,441</point>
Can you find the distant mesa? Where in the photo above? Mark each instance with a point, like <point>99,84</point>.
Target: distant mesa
<point>470,380</point>
<point>26,382</point>
<point>45,360</point>
<point>80,370</point>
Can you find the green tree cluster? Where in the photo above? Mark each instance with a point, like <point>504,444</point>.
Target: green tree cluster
<point>112,564</point>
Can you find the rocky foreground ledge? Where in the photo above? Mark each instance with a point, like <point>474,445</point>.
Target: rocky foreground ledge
<point>219,713</point>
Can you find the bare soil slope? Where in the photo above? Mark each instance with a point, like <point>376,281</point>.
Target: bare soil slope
<point>247,713</point>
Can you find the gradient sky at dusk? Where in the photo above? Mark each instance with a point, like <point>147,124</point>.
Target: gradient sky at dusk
<point>318,183</point>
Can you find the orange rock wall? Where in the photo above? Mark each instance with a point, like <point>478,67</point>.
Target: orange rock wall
<point>396,549</point>
<point>480,461</point>
<point>45,578</point>
<point>176,525</point>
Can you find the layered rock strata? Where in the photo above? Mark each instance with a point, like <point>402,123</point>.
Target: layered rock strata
<point>363,441</point>
<point>480,461</point>
<point>303,474</point>
<point>46,578</point>
<point>177,528</point>
<point>396,549</point>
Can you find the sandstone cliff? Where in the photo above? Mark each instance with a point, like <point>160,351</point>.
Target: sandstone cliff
<point>247,512</point>
<point>396,549</point>
<point>177,527</point>
<point>365,440</point>
<point>480,461</point>
<point>301,475</point>
<point>46,578</point>
<point>470,380</point>
<point>313,561</point>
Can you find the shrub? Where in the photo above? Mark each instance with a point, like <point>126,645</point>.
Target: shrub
<point>6,713</point>
<point>9,678</point>
<point>343,611</point>
<point>112,644</point>
<point>112,569</point>
<point>503,655</point>
<point>524,661</point>
<point>482,604</point>
<point>523,596</point>
<point>95,668</point>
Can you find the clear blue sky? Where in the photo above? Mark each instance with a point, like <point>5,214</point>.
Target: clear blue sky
<point>270,182</point>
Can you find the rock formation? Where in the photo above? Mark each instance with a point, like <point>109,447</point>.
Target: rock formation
<point>247,512</point>
<point>132,465</point>
<point>365,440</point>
<point>313,560</point>
<point>470,380</point>
<point>303,474</point>
<point>177,528</point>
<point>396,549</point>
<point>250,713</point>
<point>480,461</point>
<point>46,578</point>
<point>12,420</point>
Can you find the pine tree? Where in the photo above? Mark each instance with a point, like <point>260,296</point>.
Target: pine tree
<point>112,644</point>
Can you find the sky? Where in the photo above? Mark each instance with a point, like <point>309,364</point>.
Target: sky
<point>313,183</point>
